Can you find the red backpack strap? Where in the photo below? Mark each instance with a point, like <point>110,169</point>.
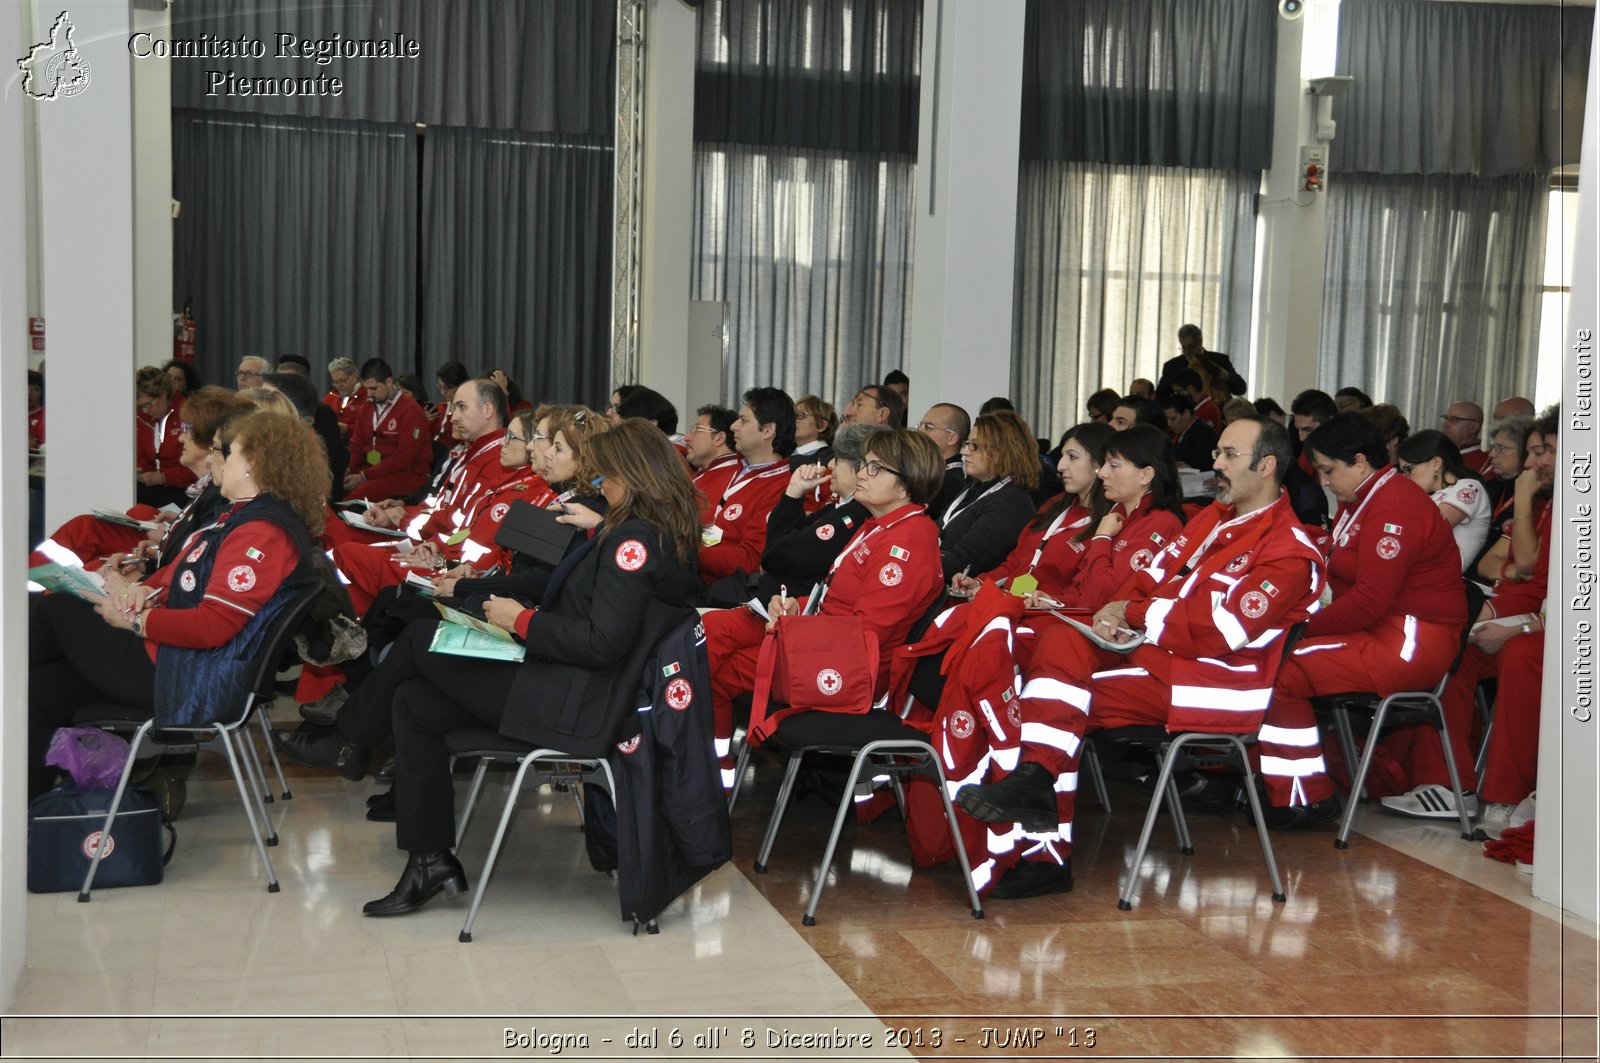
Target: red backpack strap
<point>766,663</point>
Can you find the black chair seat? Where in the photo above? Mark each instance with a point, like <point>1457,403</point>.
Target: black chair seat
<point>846,732</point>
<point>107,713</point>
<point>484,741</point>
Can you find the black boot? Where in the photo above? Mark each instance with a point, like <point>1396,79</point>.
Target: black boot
<point>322,747</point>
<point>1026,796</point>
<point>425,875</point>
<point>1034,878</point>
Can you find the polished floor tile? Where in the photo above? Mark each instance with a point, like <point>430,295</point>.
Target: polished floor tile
<point>1408,944</point>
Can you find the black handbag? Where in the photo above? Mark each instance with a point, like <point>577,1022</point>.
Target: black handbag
<point>64,827</point>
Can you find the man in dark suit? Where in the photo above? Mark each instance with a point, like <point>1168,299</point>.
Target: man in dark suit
<point>1193,440</point>
<point>1216,371</point>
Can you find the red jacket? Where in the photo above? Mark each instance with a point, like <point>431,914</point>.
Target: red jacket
<point>741,515</point>
<point>36,428</point>
<point>1109,560</point>
<point>1059,556</point>
<point>1218,599</point>
<point>477,474</point>
<point>1526,596</point>
<point>712,481</point>
<point>349,410</point>
<point>160,448</point>
<point>1393,555</point>
<point>478,548</point>
<point>398,434</point>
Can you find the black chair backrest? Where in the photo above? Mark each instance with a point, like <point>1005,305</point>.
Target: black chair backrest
<point>279,638</point>
<point>1475,599</point>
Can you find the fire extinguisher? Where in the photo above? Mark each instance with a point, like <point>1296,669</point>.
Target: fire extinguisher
<point>183,334</point>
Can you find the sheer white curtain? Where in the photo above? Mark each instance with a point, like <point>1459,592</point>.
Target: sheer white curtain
<point>1111,260</point>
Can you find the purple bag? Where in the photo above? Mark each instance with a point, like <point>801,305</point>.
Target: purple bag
<point>94,758</point>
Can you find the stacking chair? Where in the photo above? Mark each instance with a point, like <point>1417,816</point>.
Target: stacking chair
<point>230,725</point>
<point>877,739</point>
<point>1402,708</point>
<point>546,765</point>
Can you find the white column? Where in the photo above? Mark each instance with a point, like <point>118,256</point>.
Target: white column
<point>967,157</point>
<point>153,302</point>
<point>13,517</point>
<point>1565,864</point>
<point>1290,241</point>
<point>667,204</point>
<point>85,172</point>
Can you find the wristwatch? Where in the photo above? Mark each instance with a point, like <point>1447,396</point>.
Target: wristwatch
<point>138,624</point>
<point>1527,626</point>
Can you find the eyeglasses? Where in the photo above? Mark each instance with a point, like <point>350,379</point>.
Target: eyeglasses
<point>1405,470</point>
<point>929,426</point>
<point>1445,418</point>
<point>868,397</point>
<point>873,468</point>
<point>1231,453</point>
<point>537,438</point>
<point>1500,448</point>
<point>513,438</point>
<point>612,407</point>
<point>703,428</point>
<point>971,446</point>
<point>799,415</point>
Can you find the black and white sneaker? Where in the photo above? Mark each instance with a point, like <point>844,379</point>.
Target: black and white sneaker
<point>1429,801</point>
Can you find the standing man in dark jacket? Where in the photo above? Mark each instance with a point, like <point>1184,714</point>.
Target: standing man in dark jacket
<point>1217,374</point>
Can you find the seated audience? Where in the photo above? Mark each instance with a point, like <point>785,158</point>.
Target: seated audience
<point>390,447</point>
<point>185,377</point>
<point>876,404</point>
<point>1193,440</point>
<point>1394,622</point>
<point>1270,408</point>
<point>763,434</point>
<point>1140,388</point>
<point>712,456</point>
<point>1462,422</point>
<point>1507,455</point>
<point>948,425</point>
<point>451,375</point>
<point>1351,400</point>
<point>1218,377</point>
<point>814,426</point>
<point>252,368</point>
<point>1515,406</point>
<point>900,384</point>
<point>1213,607</point>
<point>174,636</point>
<point>1103,403</point>
<point>1187,384</point>
<point>1309,409</point>
<point>35,410</point>
<point>981,524</point>
<point>160,474</point>
<point>1236,408</point>
<point>308,406</point>
<point>1131,411</point>
<point>1391,425</point>
<point>345,398</point>
<point>1434,464</point>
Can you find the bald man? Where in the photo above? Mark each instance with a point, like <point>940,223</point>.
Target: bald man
<point>1462,423</point>
<point>1515,406</point>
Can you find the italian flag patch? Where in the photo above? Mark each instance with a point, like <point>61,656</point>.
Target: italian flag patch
<point>255,555</point>
<point>1269,588</point>
<point>1392,529</point>
<point>899,553</point>
<point>672,669</point>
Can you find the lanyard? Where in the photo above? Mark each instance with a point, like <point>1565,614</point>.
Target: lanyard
<point>1341,530</point>
<point>380,412</point>
<point>851,547</point>
<point>956,507</point>
<point>740,481</point>
<point>1055,529</point>
<point>160,432</point>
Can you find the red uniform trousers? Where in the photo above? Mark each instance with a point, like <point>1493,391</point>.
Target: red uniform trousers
<point>733,644</point>
<point>336,532</point>
<point>1398,653</point>
<point>394,485</point>
<point>369,569</point>
<point>1512,769</point>
<point>91,539</point>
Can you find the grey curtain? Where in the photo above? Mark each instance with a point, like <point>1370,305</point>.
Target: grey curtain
<point>804,212</point>
<point>1111,260</point>
<point>811,252</point>
<point>1433,288</point>
<point>516,241</point>
<point>540,66</point>
<point>297,236</point>
<point>1150,82</point>
<point>1461,88</point>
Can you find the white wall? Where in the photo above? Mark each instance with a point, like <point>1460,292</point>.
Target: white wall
<point>153,302</point>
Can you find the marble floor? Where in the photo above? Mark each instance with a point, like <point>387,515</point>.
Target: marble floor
<point>1407,945</point>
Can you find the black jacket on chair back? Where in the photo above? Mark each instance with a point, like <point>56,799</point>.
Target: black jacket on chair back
<point>608,605</point>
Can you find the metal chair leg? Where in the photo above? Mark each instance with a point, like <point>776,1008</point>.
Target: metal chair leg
<point>111,812</point>
<point>1347,745</point>
<point>1455,775</point>
<point>249,812</point>
<point>740,763</point>
<point>472,799</point>
<point>789,773</point>
<point>1359,781</point>
<point>272,751</point>
<point>1125,901</point>
<point>1097,775</point>
<point>1180,822</point>
<point>1488,733</point>
<point>955,833</point>
<point>1261,822</point>
<point>256,779</point>
<point>494,848</point>
<point>846,802</point>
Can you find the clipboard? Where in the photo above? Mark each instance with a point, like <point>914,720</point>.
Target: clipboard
<point>535,533</point>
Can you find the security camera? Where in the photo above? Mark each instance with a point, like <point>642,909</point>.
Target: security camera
<point>1291,9</point>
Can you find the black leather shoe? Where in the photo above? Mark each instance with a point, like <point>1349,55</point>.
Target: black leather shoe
<point>1302,816</point>
<point>1033,878</point>
<point>1026,796</point>
<point>386,772</point>
<point>425,875</point>
<point>318,747</point>
<point>381,808</point>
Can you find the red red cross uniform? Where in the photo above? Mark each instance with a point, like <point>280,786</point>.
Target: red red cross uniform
<point>1209,412</point>
<point>160,446</point>
<point>1214,605</point>
<point>737,533</point>
<point>349,410</point>
<point>1110,560</point>
<point>390,446</point>
<point>369,569</point>
<point>36,428</point>
<point>1478,460</point>
<point>712,481</point>
<point>88,540</point>
<point>886,575</point>
<point>1394,624</point>
<point>1052,552</point>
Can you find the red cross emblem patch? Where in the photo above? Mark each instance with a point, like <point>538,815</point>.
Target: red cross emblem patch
<point>392,425</point>
<point>1238,563</point>
<point>1142,559</point>
<point>632,555</point>
<point>241,578</point>
<point>1388,548</point>
<point>629,746</point>
<point>825,532</point>
<point>187,580</point>
<point>962,725</point>
<point>195,554</point>
<point>1469,494</point>
<point>679,694</point>
<point>890,575</point>
<point>733,512</point>
<point>830,682</point>
<point>1253,604</point>
<point>1014,714</point>
<point>498,513</point>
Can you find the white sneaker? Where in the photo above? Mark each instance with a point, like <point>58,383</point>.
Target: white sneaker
<point>1429,801</point>
<point>1524,812</point>
<point>1496,817</point>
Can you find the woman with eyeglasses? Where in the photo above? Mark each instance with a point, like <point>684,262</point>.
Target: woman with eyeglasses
<point>982,523</point>
<point>887,573</point>
<point>611,601</point>
<point>1434,464</point>
<point>814,426</point>
<point>159,473</point>
<point>182,636</point>
<point>451,375</point>
<point>90,541</point>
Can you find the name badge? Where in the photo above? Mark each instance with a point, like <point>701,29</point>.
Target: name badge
<point>373,457</point>
<point>1023,585</point>
<point>710,535</point>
